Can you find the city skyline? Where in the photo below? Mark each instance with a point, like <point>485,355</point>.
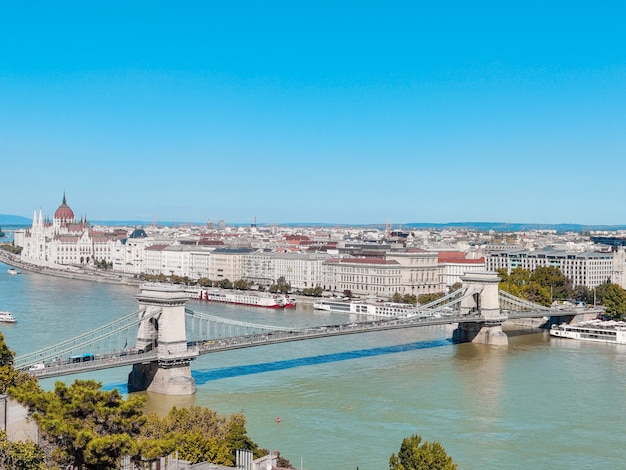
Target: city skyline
<point>351,113</point>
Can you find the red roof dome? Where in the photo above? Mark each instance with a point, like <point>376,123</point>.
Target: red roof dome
<point>64,212</point>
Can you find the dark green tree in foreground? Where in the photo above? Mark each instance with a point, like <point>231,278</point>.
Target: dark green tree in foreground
<point>84,426</point>
<point>20,455</point>
<point>417,455</point>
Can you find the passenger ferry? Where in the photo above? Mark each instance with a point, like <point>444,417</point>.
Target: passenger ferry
<point>7,317</point>
<point>254,299</point>
<point>385,309</point>
<point>592,330</point>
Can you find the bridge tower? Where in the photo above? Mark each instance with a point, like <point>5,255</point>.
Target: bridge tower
<point>485,302</point>
<point>162,328</point>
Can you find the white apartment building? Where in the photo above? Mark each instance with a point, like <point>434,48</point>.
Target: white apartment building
<point>128,255</point>
<point>301,270</point>
<point>193,262</point>
<point>257,268</point>
<point>454,264</point>
<point>227,263</point>
<point>411,271</point>
<point>589,268</point>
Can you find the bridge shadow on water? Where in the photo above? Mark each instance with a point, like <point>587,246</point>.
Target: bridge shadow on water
<point>204,376</point>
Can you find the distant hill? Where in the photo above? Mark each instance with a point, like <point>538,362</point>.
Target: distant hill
<point>513,227</point>
<point>14,220</point>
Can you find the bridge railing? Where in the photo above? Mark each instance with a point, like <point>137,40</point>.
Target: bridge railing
<point>106,337</point>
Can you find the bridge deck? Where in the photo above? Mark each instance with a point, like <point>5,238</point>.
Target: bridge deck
<point>214,345</point>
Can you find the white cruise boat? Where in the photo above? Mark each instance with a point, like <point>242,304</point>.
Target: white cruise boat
<point>386,309</point>
<point>592,330</point>
<point>7,317</point>
<point>254,299</point>
<point>13,271</point>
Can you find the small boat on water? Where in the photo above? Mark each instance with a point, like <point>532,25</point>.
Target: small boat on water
<point>13,271</point>
<point>7,317</point>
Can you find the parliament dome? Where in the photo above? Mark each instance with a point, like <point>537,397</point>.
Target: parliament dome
<point>64,212</point>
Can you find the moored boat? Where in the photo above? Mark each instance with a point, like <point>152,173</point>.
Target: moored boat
<point>254,299</point>
<point>384,309</point>
<point>592,330</point>
<point>7,317</point>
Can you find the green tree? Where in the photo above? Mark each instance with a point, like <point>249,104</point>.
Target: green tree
<point>424,299</point>
<point>241,284</point>
<point>9,377</point>
<point>551,277</point>
<point>83,425</point>
<point>184,280</point>
<point>537,294</point>
<point>396,297</point>
<point>614,299</point>
<point>281,285</point>
<point>313,291</point>
<point>21,455</point>
<point>415,455</point>
<point>225,284</point>
<point>409,299</point>
<point>521,284</point>
<point>454,287</point>
<point>583,294</point>
<point>197,434</point>
<point>205,282</point>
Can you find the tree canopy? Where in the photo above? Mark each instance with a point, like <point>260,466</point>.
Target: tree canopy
<point>84,425</point>
<point>198,434</point>
<point>417,455</point>
<point>613,297</point>
<point>542,286</point>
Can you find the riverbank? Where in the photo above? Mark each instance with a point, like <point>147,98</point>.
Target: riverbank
<point>70,272</point>
<point>96,275</point>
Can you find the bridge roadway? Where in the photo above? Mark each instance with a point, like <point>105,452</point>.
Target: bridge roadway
<point>57,368</point>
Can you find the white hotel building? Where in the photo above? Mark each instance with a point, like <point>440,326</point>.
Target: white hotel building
<point>589,268</point>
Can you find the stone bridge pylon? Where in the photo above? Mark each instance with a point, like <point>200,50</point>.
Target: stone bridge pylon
<point>485,302</point>
<point>162,328</point>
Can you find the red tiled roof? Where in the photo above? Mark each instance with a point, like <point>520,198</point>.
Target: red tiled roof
<point>450,255</point>
<point>156,247</point>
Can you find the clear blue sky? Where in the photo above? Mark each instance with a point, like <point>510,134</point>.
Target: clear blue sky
<point>338,112</point>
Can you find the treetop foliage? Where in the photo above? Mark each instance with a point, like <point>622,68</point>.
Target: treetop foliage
<point>83,426</point>
<point>415,455</point>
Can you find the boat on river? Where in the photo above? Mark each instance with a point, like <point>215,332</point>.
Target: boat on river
<point>13,271</point>
<point>384,309</point>
<point>253,299</point>
<point>7,317</point>
<point>592,330</point>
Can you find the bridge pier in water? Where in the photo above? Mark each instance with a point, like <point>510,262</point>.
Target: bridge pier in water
<point>162,328</point>
<point>486,302</point>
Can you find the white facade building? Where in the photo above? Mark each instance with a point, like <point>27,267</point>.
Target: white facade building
<point>589,268</point>
<point>411,271</point>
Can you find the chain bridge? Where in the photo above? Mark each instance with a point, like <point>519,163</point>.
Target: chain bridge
<point>163,337</point>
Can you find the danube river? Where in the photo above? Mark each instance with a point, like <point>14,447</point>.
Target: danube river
<point>348,402</point>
